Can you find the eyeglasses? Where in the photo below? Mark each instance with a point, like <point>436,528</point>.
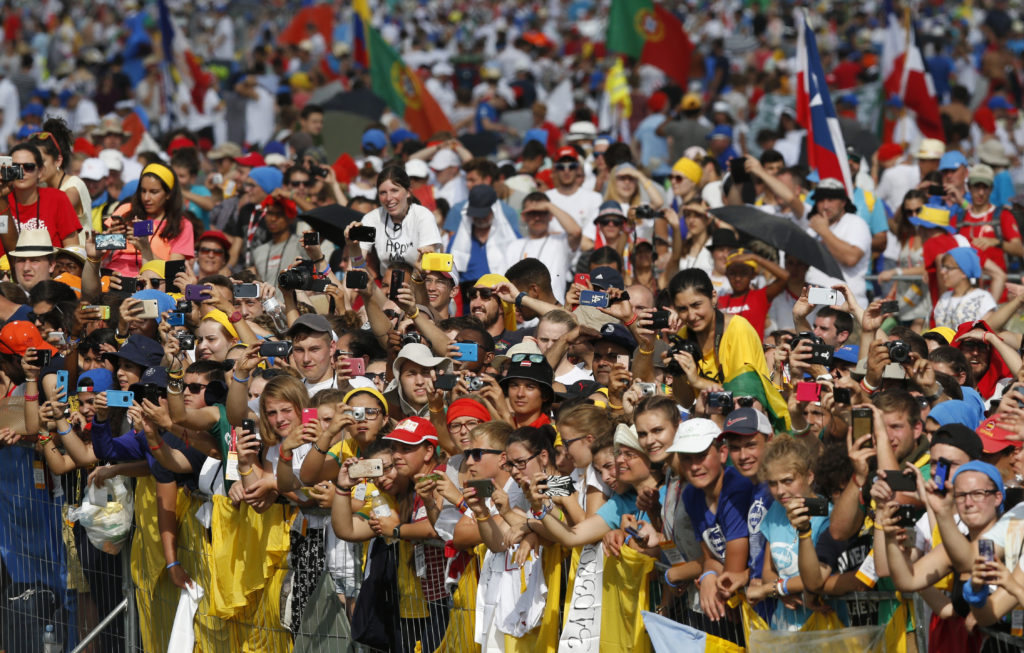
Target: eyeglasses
<point>211,250</point>
<point>518,464</point>
<point>464,426</point>
<point>533,358</point>
<point>975,495</point>
<point>604,222</point>
<point>482,293</point>
<point>694,214</point>
<point>29,167</point>
<point>309,183</point>
<point>477,454</point>
<point>561,167</point>
<point>195,388</point>
<point>568,443</point>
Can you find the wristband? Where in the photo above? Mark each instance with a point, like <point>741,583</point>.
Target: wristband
<point>176,374</point>
<point>34,397</point>
<point>463,506</point>
<point>415,315</point>
<point>156,447</point>
<point>241,473</point>
<point>613,406</point>
<point>976,598</point>
<point>803,535</point>
<point>238,380</point>
<point>646,352</point>
<point>519,299</point>
<point>43,439</point>
<point>317,447</point>
<point>288,459</point>
<point>633,319</point>
<point>173,564</point>
<point>65,432</point>
<point>94,260</point>
<point>704,575</point>
<point>867,387</point>
<point>670,583</point>
<point>480,519</point>
<point>317,260</point>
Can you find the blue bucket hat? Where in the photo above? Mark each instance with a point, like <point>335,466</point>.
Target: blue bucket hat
<point>968,260</point>
<point>957,411</point>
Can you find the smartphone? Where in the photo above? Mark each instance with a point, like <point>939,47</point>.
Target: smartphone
<point>822,296</point>
<point>142,228</point>
<point>891,306</point>
<point>446,382</point>
<point>363,234</point>
<point>104,310</point>
<point>171,270</point>
<point>468,352</point>
<point>558,486</point>
<point>370,468</point>
<point>187,341</point>
<point>245,291</point>
<point>906,516</point>
<point>397,279</point>
<point>816,506</point>
<point>120,399</point>
<point>176,319</point>
<point>62,384</point>
<point>738,170</point>
<point>940,474</point>
<point>808,391</point>
<point>42,358</point>
<point>841,395</point>
<point>111,241</point>
<point>357,366</point>
<point>987,550</point>
<point>309,415</point>
<point>56,338</point>
<point>357,279</point>
<point>659,320</point>
<point>582,280</point>
<point>310,239</point>
<point>249,425</point>
<point>900,482</point>
<point>150,310</point>
<point>936,189</point>
<point>435,262</point>
<point>622,360</point>
<point>484,487</point>
<point>863,422</point>
<point>129,285</point>
<point>276,348</point>
<point>196,293</point>
<point>593,298</point>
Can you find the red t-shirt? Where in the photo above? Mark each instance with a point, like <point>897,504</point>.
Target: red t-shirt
<point>752,305</point>
<point>971,229</point>
<point>52,212</point>
<point>933,249</point>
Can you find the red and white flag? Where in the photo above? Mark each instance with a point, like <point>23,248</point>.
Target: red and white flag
<point>906,77</point>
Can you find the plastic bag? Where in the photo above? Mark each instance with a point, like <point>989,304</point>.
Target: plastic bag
<point>106,514</point>
<point>183,636</point>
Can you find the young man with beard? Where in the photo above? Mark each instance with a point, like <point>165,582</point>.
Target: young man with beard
<point>568,194</point>
<point>313,344</point>
<point>414,372</point>
<point>497,316</point>
<point>554,249</point>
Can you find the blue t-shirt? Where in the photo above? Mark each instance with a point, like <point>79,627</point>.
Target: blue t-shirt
<point>617,506</point>
<point>484,110</point>
<point>202,214</point>
<point>760,502</point>
<point>729,522</point>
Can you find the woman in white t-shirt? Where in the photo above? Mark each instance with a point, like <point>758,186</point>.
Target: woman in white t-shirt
<point>960,268</point>
<point>405,228</point>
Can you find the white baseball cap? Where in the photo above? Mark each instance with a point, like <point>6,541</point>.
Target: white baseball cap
<point>94,169</point>
<point>695,436</point>
<point>445,158</point>
<point>417,168</point>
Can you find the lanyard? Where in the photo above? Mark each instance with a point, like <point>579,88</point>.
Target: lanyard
<point>17,213</point>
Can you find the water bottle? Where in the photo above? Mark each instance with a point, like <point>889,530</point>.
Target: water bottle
<point>378,506</point>
<point>275,310</point>
<point>51,643</point>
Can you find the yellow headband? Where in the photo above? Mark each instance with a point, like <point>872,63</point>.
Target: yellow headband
<point>370,391</point>
<point>162,172</point>
<point>689,169</point>
<point>221,318</point>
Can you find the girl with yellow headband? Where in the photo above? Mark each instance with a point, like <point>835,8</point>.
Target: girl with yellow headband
<point>158,198</point>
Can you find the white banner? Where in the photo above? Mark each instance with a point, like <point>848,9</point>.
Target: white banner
<point>582,631</point>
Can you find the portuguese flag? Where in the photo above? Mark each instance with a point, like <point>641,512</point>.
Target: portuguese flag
<point>401,89</point>
<point>650,34</point>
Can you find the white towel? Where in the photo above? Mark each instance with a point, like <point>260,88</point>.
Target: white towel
<point>497,246</point>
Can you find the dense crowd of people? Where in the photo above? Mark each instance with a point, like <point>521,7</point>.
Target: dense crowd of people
<point>472,357</point>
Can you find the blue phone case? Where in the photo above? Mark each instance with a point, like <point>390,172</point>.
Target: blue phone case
<point>593,298</point>
<point>468,352</point>
<point>120,399</point>
<point>62,383</point>
<point>176,319</point>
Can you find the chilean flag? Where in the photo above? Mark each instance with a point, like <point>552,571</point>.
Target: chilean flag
<point>906,77</point>
<point>826,151</point>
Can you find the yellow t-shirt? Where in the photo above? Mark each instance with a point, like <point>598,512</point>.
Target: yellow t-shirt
<point>740,346</point>
<point>342,451</point>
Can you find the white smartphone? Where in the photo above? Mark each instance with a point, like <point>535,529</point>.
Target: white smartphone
<point>823,296</point>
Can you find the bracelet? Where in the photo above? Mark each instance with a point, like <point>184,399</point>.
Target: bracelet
<point>705,575</point>
<point>241,473</point>
<point>933,398</point>
<point>480,519</point>
<point>176,374</point>
<point>414,315</point>
<point>670,583</point>
<point>94,260</point>
<point>34,397</point>
<point>317,447</point>
<point>646,352</point>
<point>633,319</point>
<point>238,380</point>
<point>317,260</point>
<point>976,598</point>
<point>288,459</point>
<point>173,564</point>
<point>65,432</point>
<point>803,535</point>
<point>463,506</point>
<point>157,446</point>
<point>540,514</point>
<point>43,439</point>
<point>613,406</point>
<point>867,387</point>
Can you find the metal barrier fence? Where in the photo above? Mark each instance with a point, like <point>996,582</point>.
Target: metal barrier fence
<point>258,573</point>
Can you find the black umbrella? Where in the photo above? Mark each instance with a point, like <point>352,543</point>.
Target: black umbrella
<point>781,233</point>
<point>362,102</point>
<point>330,221</point>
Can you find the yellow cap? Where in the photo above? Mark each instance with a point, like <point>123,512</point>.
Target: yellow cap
<point>690,102</point>
<point>5,263</point>
<point>947,333</point>
<point>157,267</point>
<point>221,318</point>
<point>689,169</point>
<point>491,280</point>
<point>74,282</point>
<point>369,391</point>
<point>933,216</point>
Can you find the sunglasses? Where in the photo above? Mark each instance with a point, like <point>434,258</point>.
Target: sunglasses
<point>482,293</point>
<point>309,183</point>
<point>29,167</point>
<point>561,167</point>
<point>533,358</point>
<point>52,316</point>
<point>625,178</point>
<point>694,214</point>
<point>535,214</point>
<point>606,222</point>
<point>677,177</point>
<point>153,283</point>
<point>907,211</point>
<point>477,454</point>
<point>374,376</point>
<point>392,314</point>
<point>211,250</point>
<point>195,388</point>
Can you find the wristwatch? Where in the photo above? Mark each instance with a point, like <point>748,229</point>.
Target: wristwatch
<point>397,533</point>
<point>175,386</point>
<point>235,317</point>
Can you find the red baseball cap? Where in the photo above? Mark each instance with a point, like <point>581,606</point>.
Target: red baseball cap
<point>889,151</point>
<point>995,438</point>
<point>219,236</point>
<point>251,160</point>
<point>20,336</point>
<point>567,152</point>
<point>413,431</point>
<point>178,143</point>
